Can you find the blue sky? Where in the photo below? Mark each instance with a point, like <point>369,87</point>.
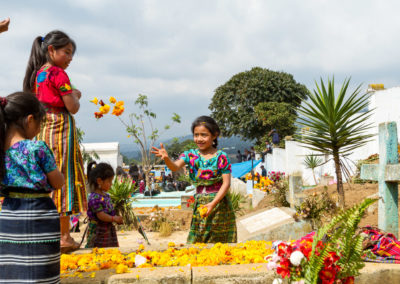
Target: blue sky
<point>179,52</point>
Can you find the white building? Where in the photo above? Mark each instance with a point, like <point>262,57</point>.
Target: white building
<point>108,152</point>
<point>385,104</point>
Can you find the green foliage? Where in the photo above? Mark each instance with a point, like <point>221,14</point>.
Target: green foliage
<point>237,200</point>
<point>276,115</point>
<point>341,237</point>
<point>315,206</point>
<point>86,157</point>
<point>312,162</point>
<point>234,102</point>
<point>336,124</point>
<point>175,148</point>
<point>279,191</point>
<point>121,196</point>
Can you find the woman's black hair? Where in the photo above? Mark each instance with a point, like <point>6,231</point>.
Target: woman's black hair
<point>14,110</point>
<point>210,124</point>
<point>100,170</point>
<point>40,55</point>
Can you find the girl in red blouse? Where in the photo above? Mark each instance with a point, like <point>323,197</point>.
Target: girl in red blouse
<point>46,77</point>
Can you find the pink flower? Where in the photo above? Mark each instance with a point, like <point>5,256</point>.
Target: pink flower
<point>206,174</point>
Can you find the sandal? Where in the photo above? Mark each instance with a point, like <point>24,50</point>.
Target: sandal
<point>67,249</point>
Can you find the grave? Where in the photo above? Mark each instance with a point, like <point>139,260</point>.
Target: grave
<point>387,173</point>
<point>270,225</point>
<point>295,195</point>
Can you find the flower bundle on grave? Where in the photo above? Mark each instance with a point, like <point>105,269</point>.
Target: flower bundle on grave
<point>331,255</point>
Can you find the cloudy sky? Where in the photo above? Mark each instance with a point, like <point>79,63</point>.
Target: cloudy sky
<point>179,52</point>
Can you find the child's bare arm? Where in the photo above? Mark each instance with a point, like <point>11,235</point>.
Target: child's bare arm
<point>55,178</point>
<point>162,153</point>
<point>103,216</point>
<point>71,101</point>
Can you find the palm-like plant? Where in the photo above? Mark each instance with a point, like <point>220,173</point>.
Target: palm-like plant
<point>121,196</point>
<point>312,162</point>
<point>336,124</point>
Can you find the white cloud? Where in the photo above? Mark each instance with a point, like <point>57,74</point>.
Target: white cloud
<point>179,52</point>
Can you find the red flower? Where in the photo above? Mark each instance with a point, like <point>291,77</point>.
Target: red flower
<point>98,115</point>
<point>328,275</point>
<point>101,102</point>
<point>284,268</point>
<point>349,280</point>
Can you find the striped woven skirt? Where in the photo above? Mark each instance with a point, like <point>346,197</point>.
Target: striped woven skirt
<point>29,241</point>
<point>101,235</point>
<point>219,226</point>
<point>59,132</point>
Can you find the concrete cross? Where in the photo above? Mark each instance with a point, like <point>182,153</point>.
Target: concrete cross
<point>387,173</point>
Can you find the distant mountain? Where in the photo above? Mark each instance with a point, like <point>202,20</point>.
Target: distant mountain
<point>230,145</point>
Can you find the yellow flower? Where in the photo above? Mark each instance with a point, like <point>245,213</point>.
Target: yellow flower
<point>104,109</point>
<point>120,103</point>
<point>118,110</point>
<point>203,211</point>
<point>112,100</point>
<point>171,244</point>
<point>95,101</point>
<point>121,268</point>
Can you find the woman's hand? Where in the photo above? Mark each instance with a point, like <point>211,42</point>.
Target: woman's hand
<point>162,153</point>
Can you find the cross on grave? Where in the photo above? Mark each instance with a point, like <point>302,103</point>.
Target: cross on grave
<point>387,173</point>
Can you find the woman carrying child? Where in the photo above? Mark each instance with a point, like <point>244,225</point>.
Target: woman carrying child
<point>29,221</point>
<point>210,171</point>
<point>46,77</point>
<point>101,213</point>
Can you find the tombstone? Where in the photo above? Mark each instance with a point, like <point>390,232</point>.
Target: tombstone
<point>387,173</point>
<point>295,196</point>
<point>270,225</point>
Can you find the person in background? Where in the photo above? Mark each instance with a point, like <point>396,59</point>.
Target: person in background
<point>252,153</point>
<point>267,150</point>
<point>263,171</point>
<point>275,137</point>
<point>120,172</point>
<point>4,25</point>
<point>239,156</point>
<point>246,155</point>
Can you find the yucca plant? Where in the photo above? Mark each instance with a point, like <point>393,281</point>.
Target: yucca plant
<point>312,162</point>
<point>339,236</point>
<point>121,196</point>
<point>237,200</point>
<point>336,123</point>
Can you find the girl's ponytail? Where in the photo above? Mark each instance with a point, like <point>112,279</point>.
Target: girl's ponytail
<point>36,60</point>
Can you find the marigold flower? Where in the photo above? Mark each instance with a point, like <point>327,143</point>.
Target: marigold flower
<point>98,115</point>
<point>203,211</point>
<point>95,101</point>
<point>112,100</point>
<point>120,103</point>
<point>104,109</point>
<point>118,110</point>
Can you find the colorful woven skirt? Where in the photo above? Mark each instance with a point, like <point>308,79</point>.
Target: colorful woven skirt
<point>101,235</point>
<point>59,132</point>
<point>219,226</point>
<point>29,241</point>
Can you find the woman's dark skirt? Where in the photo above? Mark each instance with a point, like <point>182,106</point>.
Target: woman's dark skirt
<point>29,241</point>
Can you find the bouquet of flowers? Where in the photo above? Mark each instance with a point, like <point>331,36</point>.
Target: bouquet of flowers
<point>276,176</point>
<point>264,184</point>
<point>333,254</point>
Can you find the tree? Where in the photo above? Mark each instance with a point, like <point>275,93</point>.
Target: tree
<point>86,157</point>
<point>175,148</point>
<point>276,115</point>
<point>139,126</point>
<point>336,123</point>
<point>233,103</point>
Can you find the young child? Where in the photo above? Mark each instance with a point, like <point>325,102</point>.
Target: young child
<point>210,170</point>
<point>29,221</point>
<point>45,76</point>
<point>101,232</point>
